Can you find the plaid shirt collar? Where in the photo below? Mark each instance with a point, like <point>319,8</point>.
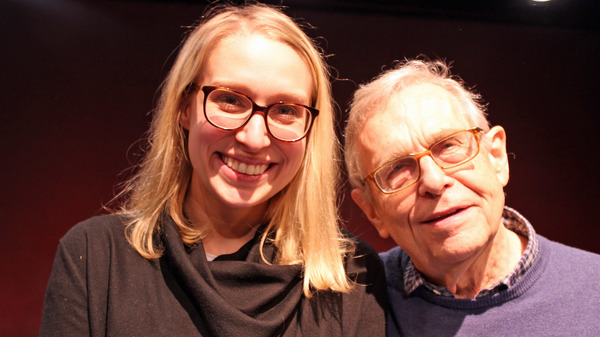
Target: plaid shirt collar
<point>513,221</point>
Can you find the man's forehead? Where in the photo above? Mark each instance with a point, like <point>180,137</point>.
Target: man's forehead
<point>411,121</point>
<point>382,139</point>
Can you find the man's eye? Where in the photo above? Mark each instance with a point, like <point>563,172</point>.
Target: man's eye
<point>398,172</point>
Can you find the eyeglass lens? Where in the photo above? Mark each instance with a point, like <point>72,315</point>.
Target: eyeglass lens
<point>447,153</point>
<point>230,110</point>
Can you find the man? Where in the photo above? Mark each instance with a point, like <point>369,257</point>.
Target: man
<point>428,171</point>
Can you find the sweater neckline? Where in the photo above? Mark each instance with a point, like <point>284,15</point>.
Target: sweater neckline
<point>532,275</point>
<point>238,294</point>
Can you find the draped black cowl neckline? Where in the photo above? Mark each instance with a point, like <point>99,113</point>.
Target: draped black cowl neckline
<point>101,286</point>
<point>237,294</point>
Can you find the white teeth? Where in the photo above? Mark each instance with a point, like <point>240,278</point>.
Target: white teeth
<point>243,167</point>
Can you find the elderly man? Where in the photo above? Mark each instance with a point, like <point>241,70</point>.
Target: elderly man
<point>428,171</point>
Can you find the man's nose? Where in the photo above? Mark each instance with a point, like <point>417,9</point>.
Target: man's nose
<point>433,179</point>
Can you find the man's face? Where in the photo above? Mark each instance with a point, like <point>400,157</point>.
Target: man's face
<point>448,216</point>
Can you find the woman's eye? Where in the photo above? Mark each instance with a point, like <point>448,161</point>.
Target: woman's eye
<point>231,103</point>
<point>228,100</point>
<point>288,114</point>
<point>286,110</point>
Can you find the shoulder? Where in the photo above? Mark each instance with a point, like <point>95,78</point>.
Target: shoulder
<point>574,259</point>
<point>99,225</point>
<point>98,245</point>
<point>96,232</point>
<point>394,261</point>
<point>364,258</point>
<point>392,255</point>
<point>364,267</point>
<point>362,248</point>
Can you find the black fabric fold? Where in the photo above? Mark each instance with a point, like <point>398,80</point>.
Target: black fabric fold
<point>235,298</point>
<point>101,286</point>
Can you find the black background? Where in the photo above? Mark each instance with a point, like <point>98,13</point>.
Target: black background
<point>80,78</point>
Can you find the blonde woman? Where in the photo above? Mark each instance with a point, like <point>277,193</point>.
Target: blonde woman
<point>230,226</point>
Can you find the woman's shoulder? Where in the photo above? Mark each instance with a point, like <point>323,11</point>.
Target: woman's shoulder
<point>361,247</point>
<point>99,224</point>
<point>364,256</point>
<point>98,243</point>
<point>97,230</point>
<point>365,269</point>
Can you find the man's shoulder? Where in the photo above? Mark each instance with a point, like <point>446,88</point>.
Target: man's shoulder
<point>394,262</point>
<point>574,259</point>
<point>568,271</point>
<point>568,251</point>
<point>394,257</point>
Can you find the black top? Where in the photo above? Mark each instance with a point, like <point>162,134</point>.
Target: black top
<point>100,286</point>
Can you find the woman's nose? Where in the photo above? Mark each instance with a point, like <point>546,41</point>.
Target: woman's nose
<point>254,135</point>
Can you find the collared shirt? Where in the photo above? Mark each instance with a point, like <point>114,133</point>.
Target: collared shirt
<point>513,221</point>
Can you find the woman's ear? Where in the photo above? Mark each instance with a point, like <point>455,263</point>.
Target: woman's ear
<point>185,117</point>
<point>188,104</point>
<point>497,153</point>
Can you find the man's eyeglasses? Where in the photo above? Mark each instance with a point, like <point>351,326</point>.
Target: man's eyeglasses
<point>230,110</point>
<point>401,173</point>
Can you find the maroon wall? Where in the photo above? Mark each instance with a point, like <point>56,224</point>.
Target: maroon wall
<point>79,80</point>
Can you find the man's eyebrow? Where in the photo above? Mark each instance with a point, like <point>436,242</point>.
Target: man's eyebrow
<point>432,139</point>
<point>436,137</point>
<point>391,157</point>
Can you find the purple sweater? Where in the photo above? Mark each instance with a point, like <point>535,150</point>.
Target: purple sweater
<point>558,296</point>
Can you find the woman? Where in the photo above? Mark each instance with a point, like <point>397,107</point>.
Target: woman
<point>230,225</point>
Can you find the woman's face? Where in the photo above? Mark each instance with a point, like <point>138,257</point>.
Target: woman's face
<point>244,168</point>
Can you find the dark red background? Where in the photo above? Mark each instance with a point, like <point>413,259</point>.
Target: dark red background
<point>79,80</point>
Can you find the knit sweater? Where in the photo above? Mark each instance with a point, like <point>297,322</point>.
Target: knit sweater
<point>100,286</point>
<point>558,296</point>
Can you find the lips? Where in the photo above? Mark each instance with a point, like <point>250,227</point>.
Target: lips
<point>244,168</point>
<point>442,215</point>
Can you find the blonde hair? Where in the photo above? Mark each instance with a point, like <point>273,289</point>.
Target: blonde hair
<point>374,96</point>
<point>303,216</point>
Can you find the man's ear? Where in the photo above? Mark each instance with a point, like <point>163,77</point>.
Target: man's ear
<point>497,153</point>
<point>363,201</point>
